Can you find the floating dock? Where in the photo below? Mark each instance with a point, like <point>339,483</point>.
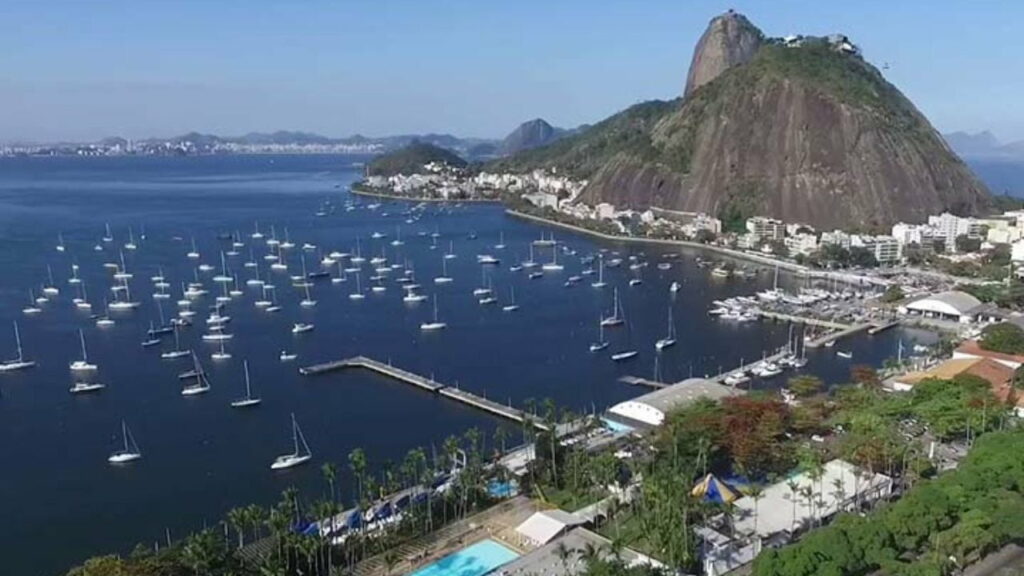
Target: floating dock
<point>882,327</point>
<point>423,383</point>
<point>637,381</point>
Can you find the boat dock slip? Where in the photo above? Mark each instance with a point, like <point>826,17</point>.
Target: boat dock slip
<point>882,327</point>
<point>818,342</point>
<point>637,381</point>
<point>424,383</point>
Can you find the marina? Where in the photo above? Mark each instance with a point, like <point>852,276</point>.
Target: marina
<point>484,370</point>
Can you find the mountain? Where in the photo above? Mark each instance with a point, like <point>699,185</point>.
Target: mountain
<point>730,40</point>
<point>984,145</point>
<point>803,130</point>
<point>411,159</point>
<point>530,134</point>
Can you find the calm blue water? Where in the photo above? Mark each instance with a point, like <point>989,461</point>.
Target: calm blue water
<point>202,457</point>
<point>475,560</point>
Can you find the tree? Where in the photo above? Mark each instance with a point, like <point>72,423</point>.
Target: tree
<point>805,385</point>
<point>965,243</point>
<point>704,236</point>
<point>894,293</point>
<point>865,376</point>
<point>237,519</point>
<point>1004,337</point>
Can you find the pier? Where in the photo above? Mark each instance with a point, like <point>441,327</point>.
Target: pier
<point>808,320</point>
<point>637,381</point>
<point>882,327</point>
<point>423,383</point>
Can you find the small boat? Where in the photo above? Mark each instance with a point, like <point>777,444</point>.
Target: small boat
<point>51,288</point>
<point>358,294</point>
<point>193,254</point>
<point>624,355</point>
<point>19,362</point>
<point>511,306</point>
<point>535,275</point>
<point>301,327</point>
<point>177,352</point>
<point>130,244</point>
<point>288,356</point>
<point>217,336</point>
<point>60,242</point>
<point>600,275</point>
<point>487,259</point>
<point>616,318</point>
<point>86,387</point>
<point>248,400</point>
<point>436,324</point>
<point>844,354</point>
<point>443,278</point>
<point>82,365</point>
<point>202,383</point>
<point>670,339</point>
<point>32,307</point>
<point>674,287</point>
<point>830,344</point>
<point>150,342</point>
<point>221,354</point>
<point>601,343</point>
<point>299,455</point>
<point>130,452</point>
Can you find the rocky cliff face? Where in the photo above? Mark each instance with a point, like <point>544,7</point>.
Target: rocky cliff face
<point>805,133</point>
<point>729,40</point>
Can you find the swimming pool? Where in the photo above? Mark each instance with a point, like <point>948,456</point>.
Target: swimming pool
<point>616,426</point>
<point>475,560</point>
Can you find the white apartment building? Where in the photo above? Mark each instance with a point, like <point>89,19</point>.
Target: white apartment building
<point>920,234</point>
<point>766,229</point>
<point>803,243</point>
<point>837,237</point>
<point>948,227</point>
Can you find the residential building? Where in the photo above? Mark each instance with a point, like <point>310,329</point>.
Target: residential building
<point>803,244</point>
<point>768,229</point>
<point>836,237</point>
<point>949,227</point>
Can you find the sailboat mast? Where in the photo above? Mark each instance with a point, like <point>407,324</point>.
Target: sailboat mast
<point>81,337</point>
<point>248,392</point>
<point>17,340</point>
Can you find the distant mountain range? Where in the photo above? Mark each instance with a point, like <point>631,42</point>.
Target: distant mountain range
<point>984,145</point>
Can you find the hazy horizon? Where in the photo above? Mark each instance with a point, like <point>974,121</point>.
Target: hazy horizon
<point>80,72</point>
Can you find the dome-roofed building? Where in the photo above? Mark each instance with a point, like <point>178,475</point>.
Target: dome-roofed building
<point>950,305</point>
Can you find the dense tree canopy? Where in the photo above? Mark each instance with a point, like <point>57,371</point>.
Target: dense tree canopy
<point>1003,337</point>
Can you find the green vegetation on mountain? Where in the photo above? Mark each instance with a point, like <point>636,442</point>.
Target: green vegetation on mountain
<point>412,158</point>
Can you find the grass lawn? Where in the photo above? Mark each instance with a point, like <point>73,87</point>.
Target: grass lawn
<point>567,500</point>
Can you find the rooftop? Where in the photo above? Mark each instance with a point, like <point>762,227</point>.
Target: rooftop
<point>953,302</point>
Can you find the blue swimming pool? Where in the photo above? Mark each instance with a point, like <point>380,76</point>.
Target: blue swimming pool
<point>616,426</point>
<point>476,560</point>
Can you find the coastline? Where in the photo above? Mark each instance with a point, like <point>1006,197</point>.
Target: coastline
<point>367,193</point>
<point>788,266</point>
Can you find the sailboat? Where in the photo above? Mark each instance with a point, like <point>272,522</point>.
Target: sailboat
<point>248,400</point>
<point>601,343</point>
<point>151,338</point>
<point>51,288</point>
<point>624,354</point>
<point>82,303</point>
<point>274,306</point>
<point>74,275</point>
<point>436,324</point>
<point>670,339</point>
<point>19,362</point>
<point>300,327</point>
<point>193,254</point>
<point>529,263</point>
<point>235,292</point>
<point>60,242</point>
<point>221,354</point>
<point>130,244</point>
<point>130,452</point>
<point>511,306</point>
<point>127,303</point>
<point>287,244</point>
<point>398,237</point>
<point>358,294</point>
<point>553,266</point>
<point>484,289</point>
<point>501,241</point>
<point>256,233</point>
<point>299,455</point>
<point>83,364</point>
<point>32,307</point>
<point>223,276</point>
<point>202,383</point>
<point>616,318</point>
<point>108,237</point>
<point>600,275</point>
<point>451,251</point>
<point>341,277</point>
<point>443,278</point>
<point>177,352</point>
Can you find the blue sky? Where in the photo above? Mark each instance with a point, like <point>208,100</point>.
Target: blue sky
<point>81,70</point>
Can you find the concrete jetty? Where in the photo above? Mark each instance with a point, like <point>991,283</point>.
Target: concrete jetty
<point>637,381</point>
<point>424,383</point>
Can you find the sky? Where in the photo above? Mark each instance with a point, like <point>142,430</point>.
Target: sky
<point>72,70</point>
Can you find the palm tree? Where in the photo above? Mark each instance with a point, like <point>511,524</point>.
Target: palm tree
<point>277,521</point>
<point>200,552</point>
<point>563,553</point>
<point>330,473</point>
<point>254,517</point>
<point>550,411</point>
<point>357,463</point>
<point>237,519</point>
<point>500,437</point>
<point>756,493</point>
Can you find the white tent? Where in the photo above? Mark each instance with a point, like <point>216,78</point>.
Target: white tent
<point>543,527</point>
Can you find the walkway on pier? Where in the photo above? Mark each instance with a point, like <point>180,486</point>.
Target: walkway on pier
<point>424,383</point>
<point>637,381</point>
<point>809,320</point>
<point>832,336</point>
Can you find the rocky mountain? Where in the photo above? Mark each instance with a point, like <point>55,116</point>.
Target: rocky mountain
<point>530,134</point>
<point>410,159</point>
<point>984,145</point>
<point>730,40</point>
<point>802,129</point>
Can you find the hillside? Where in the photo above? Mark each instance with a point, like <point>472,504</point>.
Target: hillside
<point>530,134</point>
<point>411,159</point>
<point>807,133</point>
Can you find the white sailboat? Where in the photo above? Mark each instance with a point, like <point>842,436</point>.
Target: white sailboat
<point>553,266</point>
<point>616,318</point>
<point>601,343</point>
<point>130,452</point>
<point>670,339</point>
<point>193,254</point>
<point>32,307</point>
<point>223,276</point>
<point>451,251</point>
<point>74,275</point>
<point>306,302</point>
<point>51,288</point>
<point>177,352</point>
<point>436,324</point>
<point>202,383</point>
<point>130,244</point>
<point>60,242</point>
<point>600,274</point>
<point>300,327</point>
<point>108,237</point>
<point>19,362</point>
<point>82,365</point>
<point>501,241</point>
<point>529,263</point>
<point>444,278</point>
<point>86,387</point>
<point>626,354</point>
<point>299,455</point>
<point>248,400</point>
<point>511,306</point>
<point>221,354</point>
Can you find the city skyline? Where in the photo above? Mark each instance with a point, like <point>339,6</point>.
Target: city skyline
<point>140,70</point>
